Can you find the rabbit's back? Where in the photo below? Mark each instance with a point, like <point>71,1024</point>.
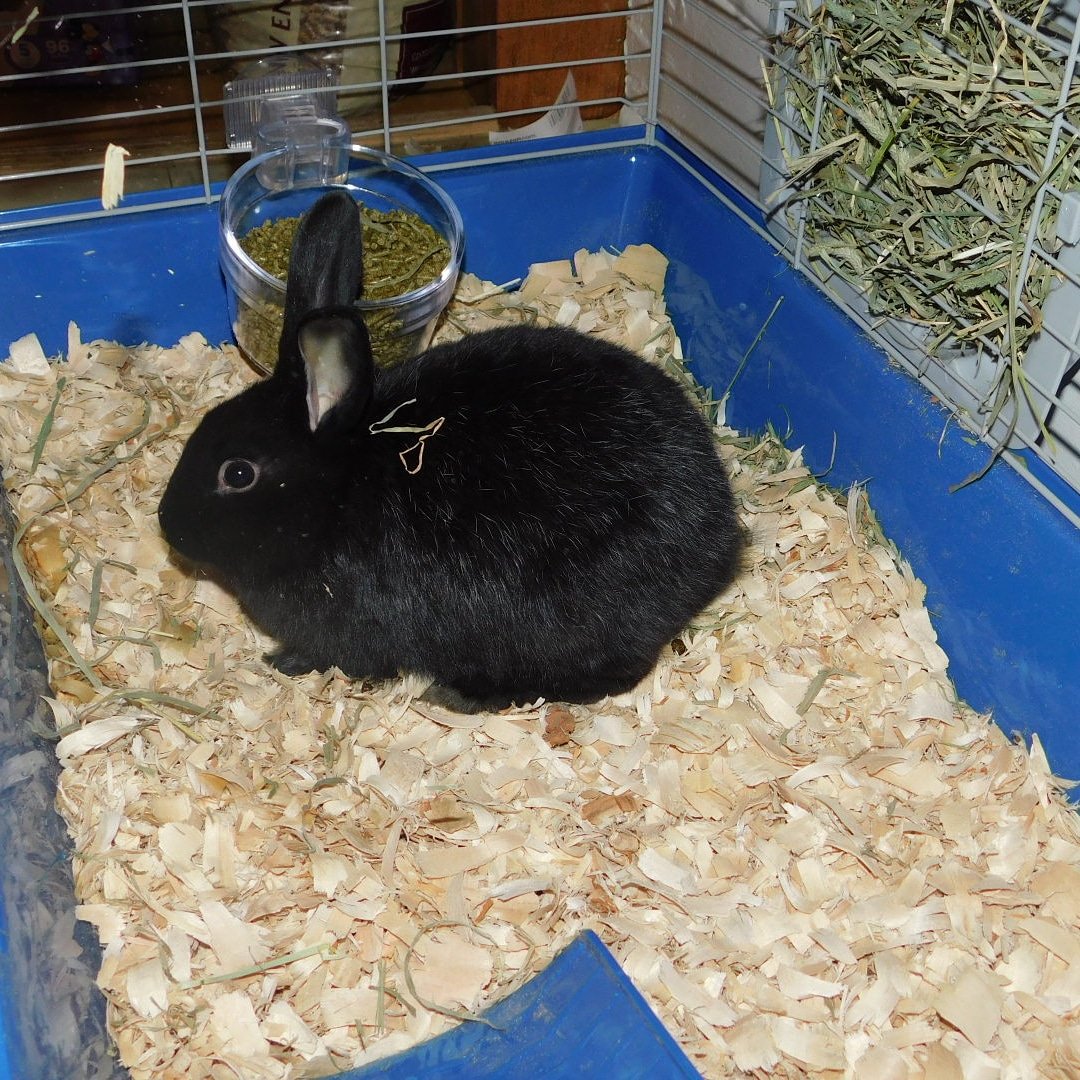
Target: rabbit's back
<point>567,518</point>
<point>545,433</point>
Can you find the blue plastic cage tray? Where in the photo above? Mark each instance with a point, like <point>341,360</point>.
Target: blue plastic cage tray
<point>580,1017</point>
<point>998,561</point>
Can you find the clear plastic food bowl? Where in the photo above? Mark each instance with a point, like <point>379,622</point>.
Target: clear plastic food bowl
<point>277,184</point>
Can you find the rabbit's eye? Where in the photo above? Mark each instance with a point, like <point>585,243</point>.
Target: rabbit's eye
<point>237,474</point>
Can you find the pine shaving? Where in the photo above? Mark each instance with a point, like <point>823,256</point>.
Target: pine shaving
<point>112,176</point>
<point>810,858</point>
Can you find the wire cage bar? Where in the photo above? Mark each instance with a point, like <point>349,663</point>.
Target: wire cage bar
<point>451,104</point>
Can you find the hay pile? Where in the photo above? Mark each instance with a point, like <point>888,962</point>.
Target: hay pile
<point>809,857</point>
<point>927,148</point>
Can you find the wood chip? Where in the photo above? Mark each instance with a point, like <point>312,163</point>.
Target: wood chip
<point>810,859</point>
<point>972,1006</point>
<point>112,176</point>
<point>559,724</point>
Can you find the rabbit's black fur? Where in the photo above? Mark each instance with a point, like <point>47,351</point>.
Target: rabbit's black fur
<point>567,517</point>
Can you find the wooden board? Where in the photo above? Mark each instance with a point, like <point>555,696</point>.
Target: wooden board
<point>517,47</point>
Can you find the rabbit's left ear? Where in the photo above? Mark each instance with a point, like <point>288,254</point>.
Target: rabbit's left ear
<point>325,267</point>
<point>336,354</point>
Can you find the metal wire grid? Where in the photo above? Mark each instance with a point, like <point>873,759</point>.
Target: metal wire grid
<point>695,71</point>
<point>213,159</point>
<point>714,38</point>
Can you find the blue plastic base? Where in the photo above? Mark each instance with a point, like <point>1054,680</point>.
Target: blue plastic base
<point>999,562</point>
<point>580,1017</point>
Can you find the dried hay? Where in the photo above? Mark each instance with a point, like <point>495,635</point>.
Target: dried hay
<point>809,857</point>
<point>927,147</point>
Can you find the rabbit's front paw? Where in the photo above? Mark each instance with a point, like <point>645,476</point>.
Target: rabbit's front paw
<point>291,661</point>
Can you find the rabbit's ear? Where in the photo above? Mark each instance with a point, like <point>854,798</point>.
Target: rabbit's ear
<point>325,264</point>
<point>336,354</point>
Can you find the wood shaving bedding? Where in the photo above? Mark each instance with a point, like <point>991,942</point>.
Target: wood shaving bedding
<point>811,859</point>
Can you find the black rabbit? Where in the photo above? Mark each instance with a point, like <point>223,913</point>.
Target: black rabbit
<point>526,512</point>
